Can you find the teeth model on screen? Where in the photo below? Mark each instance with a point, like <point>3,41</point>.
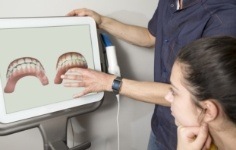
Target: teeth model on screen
<point>28,66</point>
<point>67,61</point>
<point>21,67</point>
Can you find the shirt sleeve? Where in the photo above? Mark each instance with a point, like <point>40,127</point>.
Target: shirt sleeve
<point>152,25</point>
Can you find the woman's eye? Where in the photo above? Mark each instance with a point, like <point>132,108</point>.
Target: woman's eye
<point>172,92</point>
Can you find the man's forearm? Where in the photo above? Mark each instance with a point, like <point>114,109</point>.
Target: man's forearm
<point>133,34</point>
<point>151,92</point>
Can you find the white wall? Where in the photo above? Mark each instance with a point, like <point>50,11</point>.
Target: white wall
<point>135,62</point>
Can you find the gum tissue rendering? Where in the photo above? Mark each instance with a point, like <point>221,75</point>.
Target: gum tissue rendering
<point>21,67</point>
<point>67,61</point>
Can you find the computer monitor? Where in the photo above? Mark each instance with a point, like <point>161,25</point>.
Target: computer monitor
<point>34,53</point>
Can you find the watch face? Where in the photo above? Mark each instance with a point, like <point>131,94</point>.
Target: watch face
<point>116,84</point>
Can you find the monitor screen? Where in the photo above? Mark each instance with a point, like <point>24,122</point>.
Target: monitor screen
<point>35,52</point>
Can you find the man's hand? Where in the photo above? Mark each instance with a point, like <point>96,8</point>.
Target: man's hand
<point>91,80</point>
<point>87,12</point>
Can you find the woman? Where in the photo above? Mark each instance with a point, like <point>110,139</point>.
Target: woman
<point>203,94</point>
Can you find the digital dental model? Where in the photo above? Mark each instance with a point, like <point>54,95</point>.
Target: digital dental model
<point>67,61</point>
<point>21,67</point>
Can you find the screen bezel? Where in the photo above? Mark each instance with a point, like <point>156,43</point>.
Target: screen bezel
<point>10,23</point>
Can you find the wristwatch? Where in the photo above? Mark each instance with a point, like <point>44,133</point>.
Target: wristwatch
<point>116,85</point>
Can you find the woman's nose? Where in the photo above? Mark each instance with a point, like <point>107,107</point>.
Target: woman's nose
<point>169,97</point>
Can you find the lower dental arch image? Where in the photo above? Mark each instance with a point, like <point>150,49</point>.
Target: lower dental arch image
<point>29,66</point>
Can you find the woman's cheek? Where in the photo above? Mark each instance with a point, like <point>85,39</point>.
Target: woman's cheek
<point>180,117</point>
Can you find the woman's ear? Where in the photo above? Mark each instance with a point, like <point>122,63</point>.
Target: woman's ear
<point>211,110</point>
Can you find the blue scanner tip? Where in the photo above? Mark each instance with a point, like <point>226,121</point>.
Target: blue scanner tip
<point>106,40</point>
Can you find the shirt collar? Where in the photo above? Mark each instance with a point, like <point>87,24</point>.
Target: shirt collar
<point>188,3</point>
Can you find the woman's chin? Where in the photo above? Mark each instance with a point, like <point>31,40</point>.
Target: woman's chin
<point>177,123</point>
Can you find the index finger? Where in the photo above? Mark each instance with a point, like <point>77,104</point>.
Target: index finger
<point>72,13</point>
<point>202,135</point>
<point>75,70</point>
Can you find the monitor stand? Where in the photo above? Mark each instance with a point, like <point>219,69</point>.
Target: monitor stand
<point>54,132</point>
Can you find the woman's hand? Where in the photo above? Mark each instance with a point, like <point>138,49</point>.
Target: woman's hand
<point>91,80</point>
<point>194,138</point>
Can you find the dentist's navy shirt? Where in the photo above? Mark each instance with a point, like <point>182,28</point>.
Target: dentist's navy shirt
<point>174,29</point>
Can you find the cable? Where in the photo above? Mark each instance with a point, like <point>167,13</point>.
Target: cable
<point>113,68</point>
<point>117,120</point>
